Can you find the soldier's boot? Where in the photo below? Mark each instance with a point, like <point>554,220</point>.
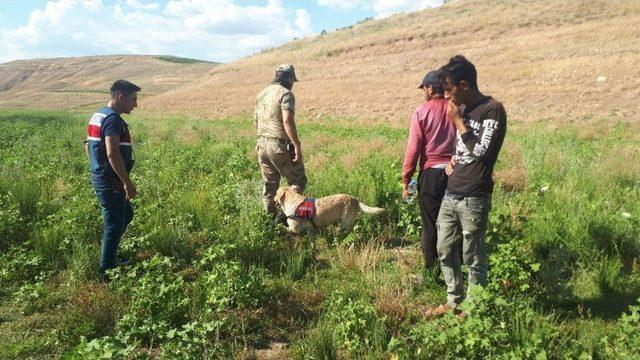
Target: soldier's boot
<point>281,218</point>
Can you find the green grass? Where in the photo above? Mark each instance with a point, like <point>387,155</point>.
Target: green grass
<point>212,276</point>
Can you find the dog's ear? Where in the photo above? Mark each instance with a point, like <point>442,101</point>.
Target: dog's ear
<point>279,195</point>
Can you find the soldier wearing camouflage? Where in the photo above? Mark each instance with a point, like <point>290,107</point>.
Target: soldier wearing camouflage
<point>276,130</point>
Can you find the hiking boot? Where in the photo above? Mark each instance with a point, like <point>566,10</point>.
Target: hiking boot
<point>123,262</point>
<point>442,309</point>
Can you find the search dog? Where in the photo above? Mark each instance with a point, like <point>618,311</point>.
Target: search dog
<point>332,209</point>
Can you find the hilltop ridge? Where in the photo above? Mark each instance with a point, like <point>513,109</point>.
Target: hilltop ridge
<point>81,81</point>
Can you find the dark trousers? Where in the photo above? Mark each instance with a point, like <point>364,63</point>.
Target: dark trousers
<point>117,214</point>
<point>432,184</point>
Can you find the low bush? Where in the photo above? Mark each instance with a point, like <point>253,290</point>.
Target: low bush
<point>493,328</point>
<point>624,341</point>
<point>230,285</point>
<point>356,326</point>
<point>158,300</point>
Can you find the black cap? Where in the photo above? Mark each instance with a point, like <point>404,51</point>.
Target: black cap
<point>431,79</point>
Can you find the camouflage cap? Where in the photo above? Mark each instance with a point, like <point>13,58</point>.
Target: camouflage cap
<point>287,68</point>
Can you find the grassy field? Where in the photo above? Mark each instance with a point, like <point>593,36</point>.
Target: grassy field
<point>213,278</point>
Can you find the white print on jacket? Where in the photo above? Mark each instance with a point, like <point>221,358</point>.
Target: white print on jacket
<point>484,132</point>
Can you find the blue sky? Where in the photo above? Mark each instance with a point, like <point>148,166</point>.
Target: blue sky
<point>217,30</point>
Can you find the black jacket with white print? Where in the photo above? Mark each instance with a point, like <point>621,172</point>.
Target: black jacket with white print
<point>477,149</point>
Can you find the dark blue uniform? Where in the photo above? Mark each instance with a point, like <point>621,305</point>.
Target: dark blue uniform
<point>116,209</point>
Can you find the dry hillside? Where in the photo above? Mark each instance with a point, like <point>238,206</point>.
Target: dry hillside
<point>558,59</point>
<point>80,81</point>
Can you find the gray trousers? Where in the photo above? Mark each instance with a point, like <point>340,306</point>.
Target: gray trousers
<point>462,219</point>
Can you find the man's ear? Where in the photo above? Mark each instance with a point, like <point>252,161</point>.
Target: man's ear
<point>464,85</point>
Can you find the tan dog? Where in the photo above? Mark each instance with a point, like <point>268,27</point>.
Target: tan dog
<point>331,209</point>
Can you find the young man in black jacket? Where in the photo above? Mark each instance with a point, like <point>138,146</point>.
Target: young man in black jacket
<point>481,124</point>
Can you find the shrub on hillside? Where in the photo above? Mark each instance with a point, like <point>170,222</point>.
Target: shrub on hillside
<point>158,300</point>
<point>107,347</point>
<point>624,341</point>
<point>512,268</point>
<point>512,264</point>
<point>194,340</point>
<point>356,325</point>
<point>230,285</point>
<point>493,328</point>
<point>11,223</point>
<point>18,265</point>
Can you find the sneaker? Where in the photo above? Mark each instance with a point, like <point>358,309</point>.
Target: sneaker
<point>103,278</point>
<point>442,309</point>
<point>123,262</point>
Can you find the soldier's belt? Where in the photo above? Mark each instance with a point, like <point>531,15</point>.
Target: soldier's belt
<point>273,139</point>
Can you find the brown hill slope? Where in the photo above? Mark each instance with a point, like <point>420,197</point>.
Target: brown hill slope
<point>542,58</point>
<point>79,81</point>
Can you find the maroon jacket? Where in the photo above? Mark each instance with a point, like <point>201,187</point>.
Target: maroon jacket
<point>432,138</point>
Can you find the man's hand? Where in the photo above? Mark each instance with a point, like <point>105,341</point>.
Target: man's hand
<point>130,190</point>
<point>449,169</point>
<point>297,158</point>
<point>292,134</point>
<point>405,191</point>
<point>117,163</point>
<point>454,113</point>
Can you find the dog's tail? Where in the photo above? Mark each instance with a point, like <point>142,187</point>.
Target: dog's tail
<point>370,210</point>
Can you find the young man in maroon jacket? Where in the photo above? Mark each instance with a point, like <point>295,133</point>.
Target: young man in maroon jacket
<point>431,140</point>
<point>481,124</point>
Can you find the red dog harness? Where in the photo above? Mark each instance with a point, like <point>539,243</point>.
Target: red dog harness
<point>306,210</point>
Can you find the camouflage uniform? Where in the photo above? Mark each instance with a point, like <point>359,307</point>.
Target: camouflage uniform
<point>273,156</point>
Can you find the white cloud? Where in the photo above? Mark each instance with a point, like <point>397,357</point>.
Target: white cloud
<point>53,12</point>
<point>93,5</point>
<point>344,4</point>
<point>223,16</point>
<point>219,30</point>
<point>303,21</point>
<point>138,5</point>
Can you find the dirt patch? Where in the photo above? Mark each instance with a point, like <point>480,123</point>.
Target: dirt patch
<point>276,351</point>
<point>514,176</point>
